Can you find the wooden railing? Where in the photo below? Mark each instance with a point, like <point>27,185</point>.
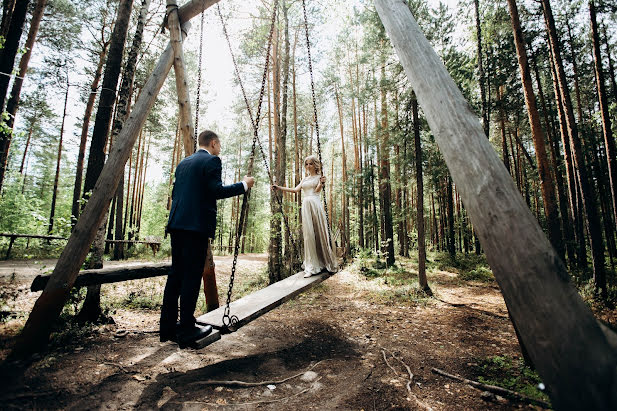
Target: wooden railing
<point>154,245</point>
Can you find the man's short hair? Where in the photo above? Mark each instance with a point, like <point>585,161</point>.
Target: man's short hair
<point>206,137</point>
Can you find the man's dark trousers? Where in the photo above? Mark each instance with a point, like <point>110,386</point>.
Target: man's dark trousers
<point>188,255</point>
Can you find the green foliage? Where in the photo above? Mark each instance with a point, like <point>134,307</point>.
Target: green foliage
<point>140,300</point>
<point>469,267</point>
<point>510,373</point>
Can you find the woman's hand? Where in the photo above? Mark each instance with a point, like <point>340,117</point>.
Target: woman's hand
<point>322,180</point>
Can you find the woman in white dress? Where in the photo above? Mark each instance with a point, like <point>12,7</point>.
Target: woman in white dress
<point>318,254</point>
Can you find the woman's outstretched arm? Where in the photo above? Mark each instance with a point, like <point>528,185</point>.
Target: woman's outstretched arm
<point>287,189</point>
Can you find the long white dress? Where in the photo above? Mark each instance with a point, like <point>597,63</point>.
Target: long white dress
<point>318,254</point>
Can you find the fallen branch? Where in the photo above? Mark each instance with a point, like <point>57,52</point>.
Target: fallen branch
<point>383,352</point>
<point>251,384</point>
<point>494,389</point>
<point>419,403</point>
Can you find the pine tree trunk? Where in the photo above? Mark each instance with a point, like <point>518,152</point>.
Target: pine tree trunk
<point>557,163</point>
<point>91,310</point>
<point>587,189</point>
<point>573,195</point>
<point>275,251</point>
<point>385,189</point>
<point>450,211</point>
<point>122,112</point>
<point>13,30</point>
<point>481,79</point>
<point>611,68</point>
<point>54,196</point>
<point>343,165</point>
<point>23,158</point>
<point>7,13</point>
<point>6,134</point>
<point>609,141</point>
<point>502,122</point>
<point>422,280</point>
<point>546,180</point>
<point>75,208</point>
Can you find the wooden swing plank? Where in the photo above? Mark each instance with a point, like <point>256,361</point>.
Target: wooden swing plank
<point>260,302</point>
<point>214,336</point>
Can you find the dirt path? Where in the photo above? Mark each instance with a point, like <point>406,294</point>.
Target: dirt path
<point>342,329</point>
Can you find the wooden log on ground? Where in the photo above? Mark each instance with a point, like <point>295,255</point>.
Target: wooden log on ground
<point>568,348</point>
<point>109,275</point>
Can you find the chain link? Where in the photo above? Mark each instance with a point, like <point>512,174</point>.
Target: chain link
<point>230,322</point>
<point>310,64</point>
<point>255,127</point>
<point>201,42</point>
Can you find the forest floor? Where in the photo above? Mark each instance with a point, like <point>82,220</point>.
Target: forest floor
<point>364,339</point>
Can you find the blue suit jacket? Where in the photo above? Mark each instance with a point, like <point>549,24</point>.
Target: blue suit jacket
<point>197,187</point>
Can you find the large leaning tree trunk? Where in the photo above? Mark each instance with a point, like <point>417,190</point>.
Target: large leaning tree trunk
<point>568,347</point>
<point>546,180</point>
<point>6,134</point>
<point>91,310</point>
<point>48,306</point>
<point>12,30</point>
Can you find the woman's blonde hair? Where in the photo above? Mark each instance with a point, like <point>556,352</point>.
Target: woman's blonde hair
<point>315,161</point>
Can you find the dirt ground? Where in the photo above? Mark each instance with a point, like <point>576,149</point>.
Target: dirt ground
<point>350,343</point>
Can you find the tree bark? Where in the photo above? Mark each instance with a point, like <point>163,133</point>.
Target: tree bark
<point>581,370</point>
<point>23,158</point>
<point>54,196</point>
<point>587,189</point>
<point>13,29</point>
<point>385,188</point>
<point>13,103</point>
<point>546,181</point>
<point>422,280</point>
<point>275,247</point>
<point>7,13</point>
<point>75,208</point>
<point>609,141</point>
<point>481,79</point>
<point>91,310</point>
<point>184,102</point>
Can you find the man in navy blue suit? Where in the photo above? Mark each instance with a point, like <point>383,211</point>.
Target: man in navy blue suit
<point>192,223</point>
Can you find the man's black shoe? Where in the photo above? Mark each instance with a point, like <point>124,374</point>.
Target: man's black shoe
<point>187,338</point>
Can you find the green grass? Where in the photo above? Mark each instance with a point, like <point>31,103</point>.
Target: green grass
<point>511,373</point>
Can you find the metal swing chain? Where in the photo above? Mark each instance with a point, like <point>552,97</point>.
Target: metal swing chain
<point>308,49</point>
<point>201,42</point>
<point>230,321</point>
<point>255,126</point>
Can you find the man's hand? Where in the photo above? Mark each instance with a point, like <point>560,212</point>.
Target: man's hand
<point>249,181</point>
